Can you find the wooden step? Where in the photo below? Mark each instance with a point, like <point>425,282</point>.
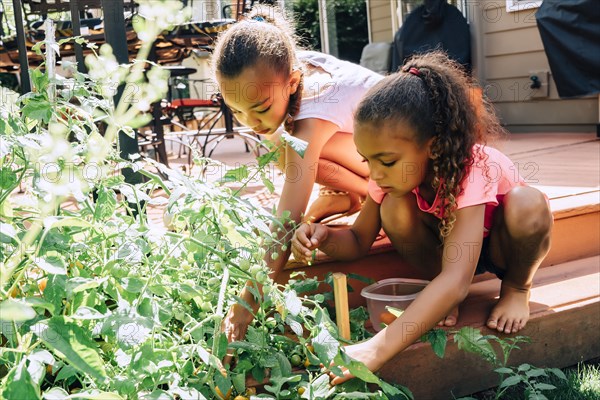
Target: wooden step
<point>564,327</point>
<point>565,303</point>
<point>575,235</point>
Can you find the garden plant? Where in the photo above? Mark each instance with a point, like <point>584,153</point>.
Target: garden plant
<point>527,376</point>
<point>97,301</point>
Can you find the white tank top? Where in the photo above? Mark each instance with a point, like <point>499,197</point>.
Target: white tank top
<point>337,99</point>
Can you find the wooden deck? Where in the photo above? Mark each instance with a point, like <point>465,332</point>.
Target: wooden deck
<point>565,299</point>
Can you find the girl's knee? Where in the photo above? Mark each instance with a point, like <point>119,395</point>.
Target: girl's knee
<point>527,213</point>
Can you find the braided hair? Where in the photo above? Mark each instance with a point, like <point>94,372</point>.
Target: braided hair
<point>435,96</point>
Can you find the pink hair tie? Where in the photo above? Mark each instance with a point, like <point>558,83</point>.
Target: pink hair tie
<point>415,71</point>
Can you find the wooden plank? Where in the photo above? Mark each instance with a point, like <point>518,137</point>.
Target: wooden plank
<point>564,327</point>
<point>379,9</point>
<point>512,42</point>
<point>513,109</point>
<point>519,143</point>
<point>560,339</point>
<point>574,238</point>
<point>342,311</point>
<point>515,66</point>
<point>497,19</point>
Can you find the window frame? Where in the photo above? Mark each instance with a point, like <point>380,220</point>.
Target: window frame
<point>522,5</point>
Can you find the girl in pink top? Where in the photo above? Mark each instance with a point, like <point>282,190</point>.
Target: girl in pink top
<point>450,205</point>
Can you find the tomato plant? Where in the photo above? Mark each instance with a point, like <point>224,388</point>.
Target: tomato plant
<point>98,300</point>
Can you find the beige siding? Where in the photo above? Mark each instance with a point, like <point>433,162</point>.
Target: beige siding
<point>381,20</point>
<point>506,47</point>
<point>511,47</point>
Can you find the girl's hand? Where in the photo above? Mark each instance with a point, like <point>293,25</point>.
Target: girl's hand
<point>307,238</point>
<point>362,352</point>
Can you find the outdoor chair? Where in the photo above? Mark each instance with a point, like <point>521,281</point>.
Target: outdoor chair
<point>199,117</point>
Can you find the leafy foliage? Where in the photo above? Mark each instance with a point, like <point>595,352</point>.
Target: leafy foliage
<point>351,26</point>
<point>99,301</point>
<point>525,375</point>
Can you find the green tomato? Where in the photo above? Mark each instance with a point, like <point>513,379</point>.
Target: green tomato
<point>214,281</point>
<point>206,306</point>
<point>270,323</point>
<point>244,264</point>
<point>261,276</point>
<point>255,269</point>
<point>190,257</point>
<point>260,253</point>
<point>274,256</point>
<point>295,360</point>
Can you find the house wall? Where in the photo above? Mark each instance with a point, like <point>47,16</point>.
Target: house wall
<point>380,16</point>
<point>506,47</point>
<point>510,48</point>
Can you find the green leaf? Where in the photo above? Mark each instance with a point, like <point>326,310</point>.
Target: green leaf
<point>558,373</point>
<point>284,365</point>
<point>59,222</point>
<point>36,302</point>
<point>8,234</point>
<point>321,388</point>
<point>544,386</point>
<point>16,311</point>
<point>56,393</point>
<point>298,145</point>
<point>534,373</point>
<point>8,178</point>
<point>19,384</point>
<point>38,109</point>
<point>239,382</point>
<point>470,339</point>
<point>98,395</point>
<point>39,79</point>
<point>524,367</point>
<point>52,264</point>
<point>65,373</point>
<point>208,358</point>
<point>87,313</point>
<point>325,345</point>
<point>267,158</point>
<point>236,174</point>
<point>503,370</point>
<point>268,183</point>
<point>292,303</point>
<point>106,204</point>
<point>72,343</point>
<point>510,381</point>
<point>438,340</point>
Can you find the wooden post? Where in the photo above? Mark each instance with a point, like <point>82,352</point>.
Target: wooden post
<point>21,47</point>
<point>340,294</point>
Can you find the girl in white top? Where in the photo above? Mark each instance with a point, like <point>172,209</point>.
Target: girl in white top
<point>266,82</point>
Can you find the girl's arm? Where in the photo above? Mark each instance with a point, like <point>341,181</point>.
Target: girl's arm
<point>300,174</point>
<point>299,180</point>
<point>461,252</point>
<point>340,244</point>
<point>353,243</point>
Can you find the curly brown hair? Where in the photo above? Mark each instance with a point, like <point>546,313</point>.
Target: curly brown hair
<point>439,100</point>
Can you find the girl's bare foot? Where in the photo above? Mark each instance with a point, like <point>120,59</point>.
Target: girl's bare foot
<point>450,319</point>
<point>331,202</point>
<point>512,311</point>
